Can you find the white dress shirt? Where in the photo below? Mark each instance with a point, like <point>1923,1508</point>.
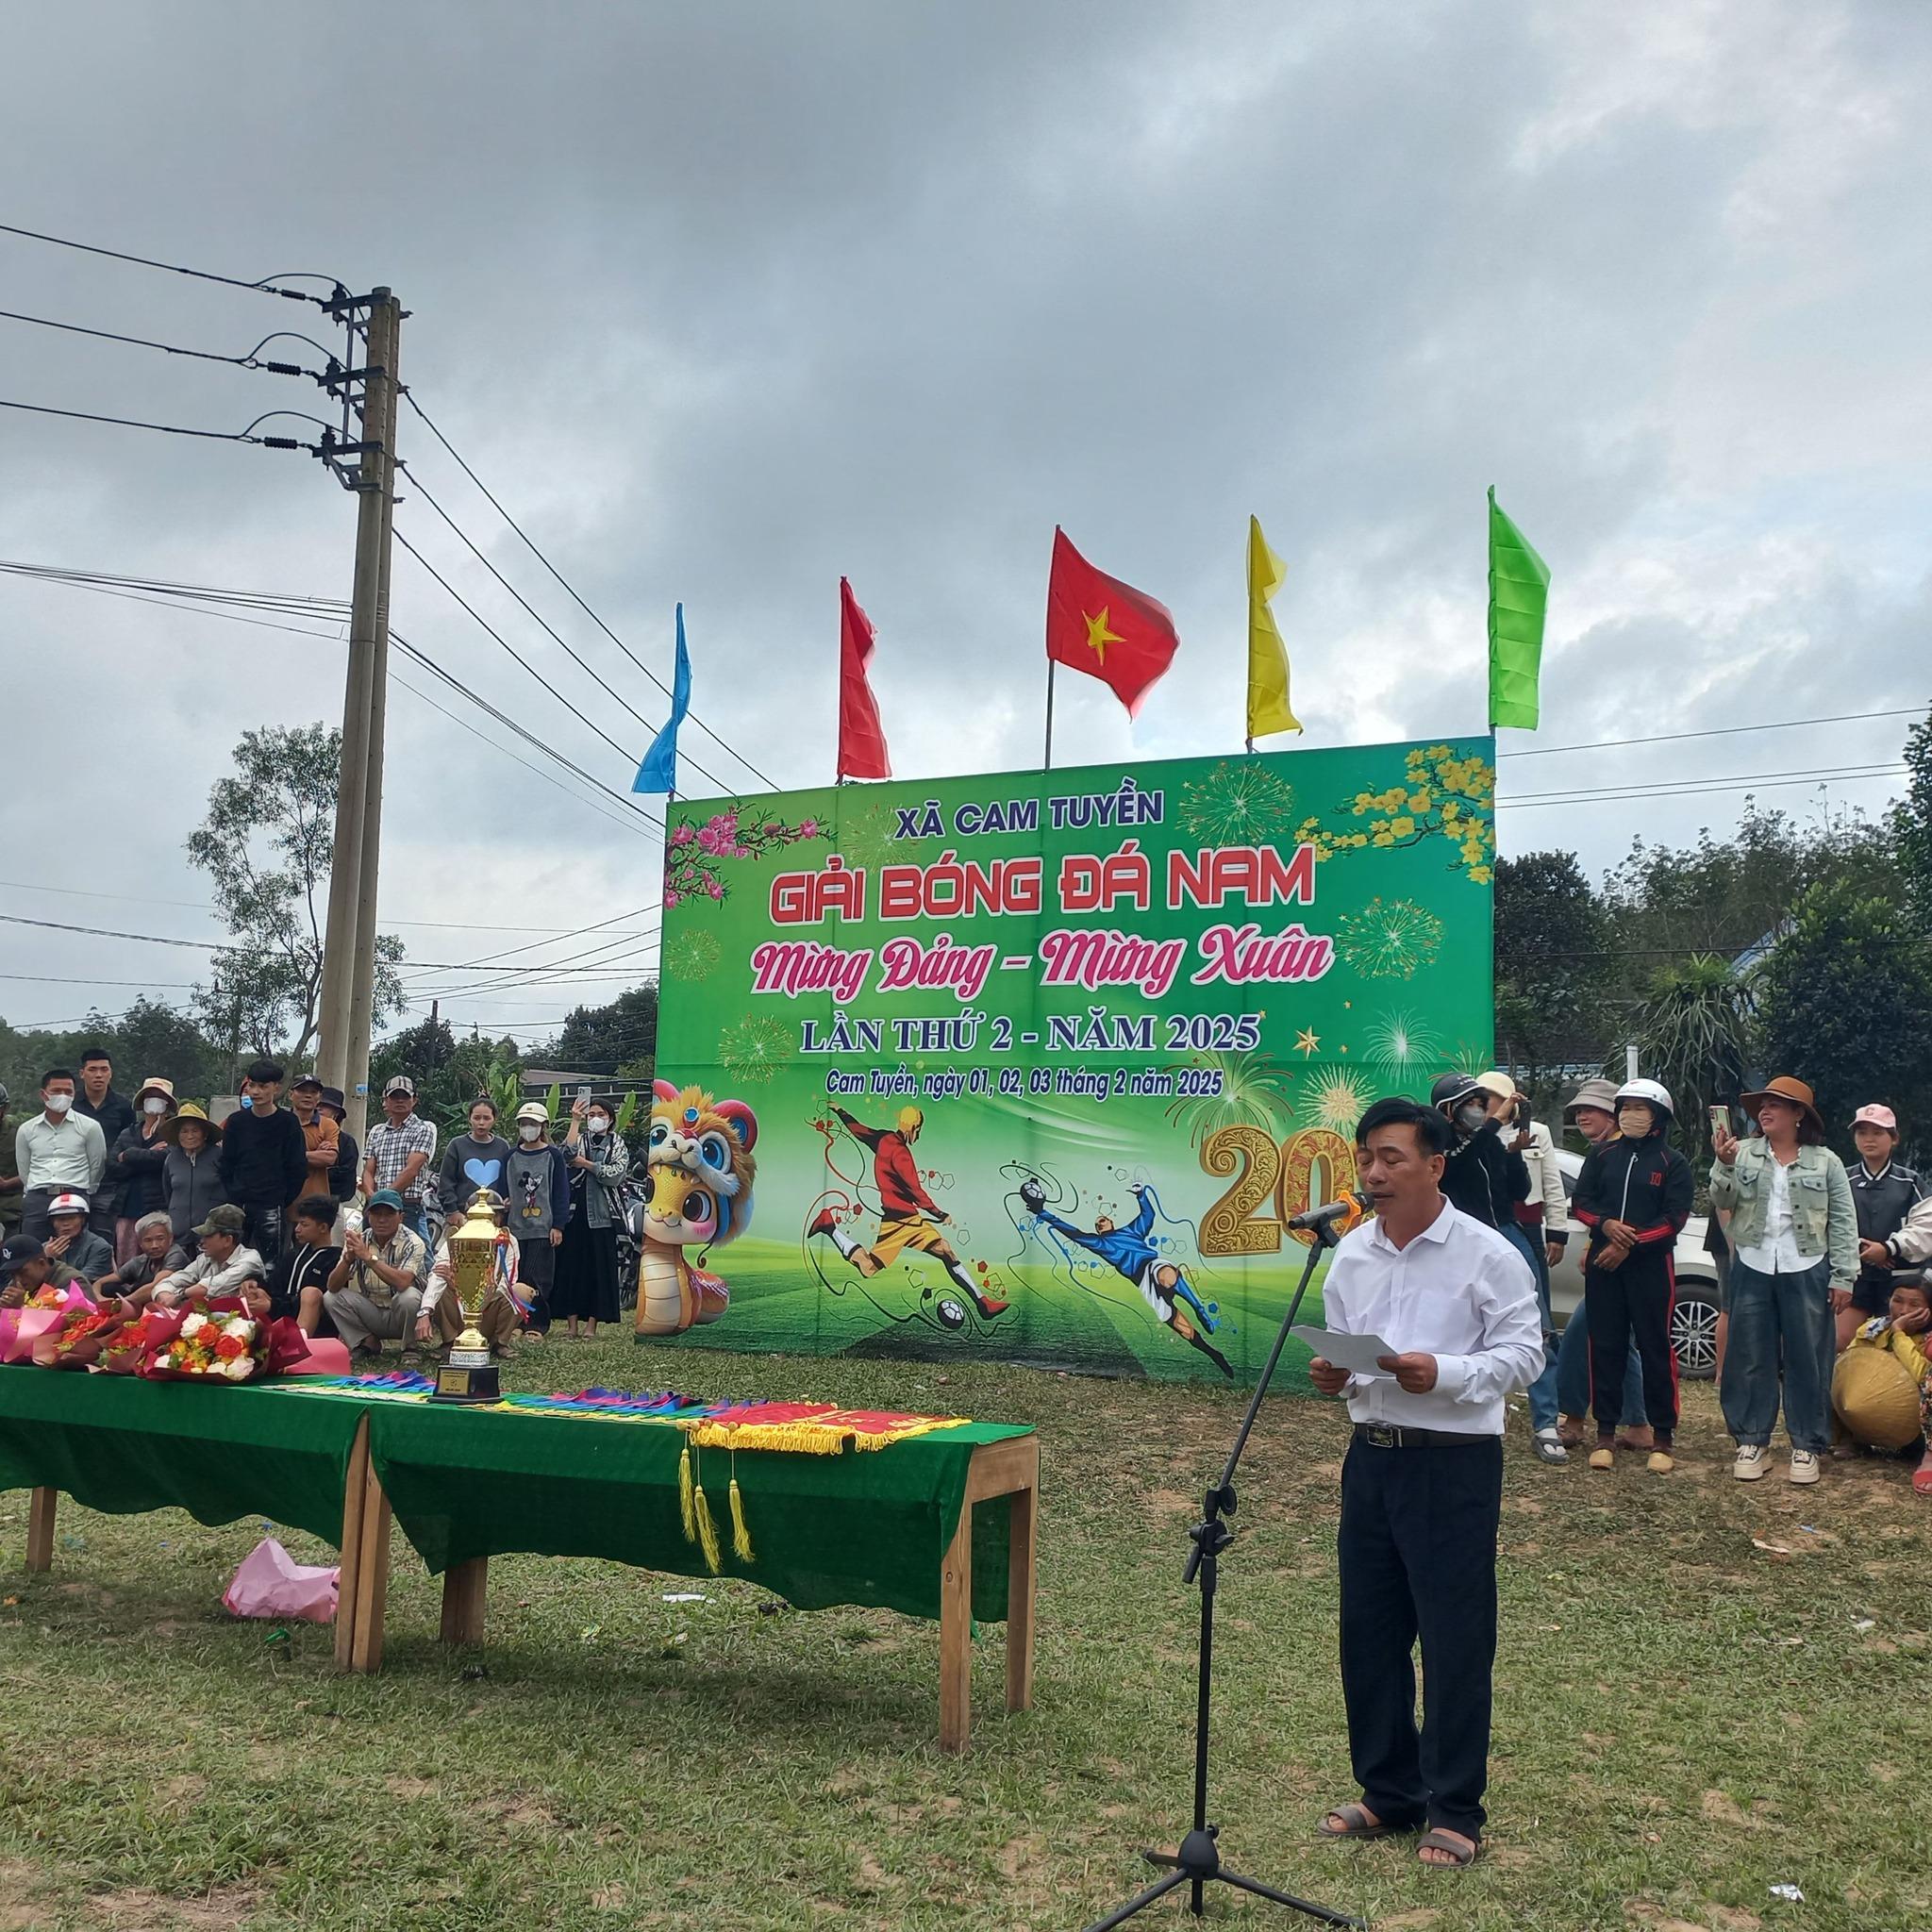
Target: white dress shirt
<point>67,1152</point>
<point>1777,1252</point>
<point>1458,1292</point>
<point>218,1278</point>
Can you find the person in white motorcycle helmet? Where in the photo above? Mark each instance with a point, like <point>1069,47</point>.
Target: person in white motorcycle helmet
<point>1633,1196</point>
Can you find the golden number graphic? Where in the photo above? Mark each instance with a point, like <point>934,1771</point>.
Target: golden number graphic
<point>1313,1148</point>
<point>1250,1155</point>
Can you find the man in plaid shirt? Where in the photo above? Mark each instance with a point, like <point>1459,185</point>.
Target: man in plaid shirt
<point>400,1152</point>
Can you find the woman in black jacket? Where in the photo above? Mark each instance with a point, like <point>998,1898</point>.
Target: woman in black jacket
<point>135,1162</point>
<point>1633,1196</point>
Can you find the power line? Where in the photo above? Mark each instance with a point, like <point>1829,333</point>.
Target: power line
<point>530,545</point>
<point>511,651</point>
<point>1544,751</point>
<point>106,334</point>
<point>1769,782</point>
<point>583,664</point>
<point>170,428</point>
<point>266,285</point>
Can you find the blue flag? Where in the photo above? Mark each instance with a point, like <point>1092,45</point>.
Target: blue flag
<point>659,771</point>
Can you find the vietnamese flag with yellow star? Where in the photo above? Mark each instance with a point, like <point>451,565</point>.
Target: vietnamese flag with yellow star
<point>1098,625</point>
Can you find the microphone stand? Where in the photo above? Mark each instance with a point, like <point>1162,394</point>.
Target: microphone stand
<point>1198,1862</point>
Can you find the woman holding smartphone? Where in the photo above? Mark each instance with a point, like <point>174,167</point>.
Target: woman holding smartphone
<point>585,1290</point>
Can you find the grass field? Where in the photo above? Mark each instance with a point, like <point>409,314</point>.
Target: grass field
<point>1683,1717</point>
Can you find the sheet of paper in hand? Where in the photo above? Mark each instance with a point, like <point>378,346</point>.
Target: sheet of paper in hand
<point>1356,1352</point>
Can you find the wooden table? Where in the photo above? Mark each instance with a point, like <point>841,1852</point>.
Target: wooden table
<point>42,1505</point>
<point>998,1469</point>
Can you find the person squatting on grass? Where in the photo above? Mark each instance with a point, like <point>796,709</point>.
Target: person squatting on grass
<point>1633,1196</point>
<point>1796,1229</point>
<point>1422,1485</point>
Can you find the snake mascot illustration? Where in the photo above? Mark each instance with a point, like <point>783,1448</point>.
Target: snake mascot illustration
<point>699,1172</point>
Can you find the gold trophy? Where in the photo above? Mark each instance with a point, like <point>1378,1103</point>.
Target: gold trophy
<point>467,1370</point>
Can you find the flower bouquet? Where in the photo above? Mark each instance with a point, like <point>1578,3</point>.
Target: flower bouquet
<point>79,1337</point>
<point>222,1342</point>
<point>45,1310</point>
<point>214,1345</point>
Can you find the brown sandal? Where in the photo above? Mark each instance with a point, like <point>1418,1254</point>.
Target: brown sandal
<point>1461,1857</point>
<point>1356,1823</point>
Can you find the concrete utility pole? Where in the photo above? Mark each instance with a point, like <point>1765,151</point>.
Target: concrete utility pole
<point>348,958</point>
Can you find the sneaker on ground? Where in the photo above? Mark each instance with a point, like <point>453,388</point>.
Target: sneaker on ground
<point>1749,1466</point>
<point>1804,1466</point>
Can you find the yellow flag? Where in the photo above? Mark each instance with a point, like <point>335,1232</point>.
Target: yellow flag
<point>1268,709</point>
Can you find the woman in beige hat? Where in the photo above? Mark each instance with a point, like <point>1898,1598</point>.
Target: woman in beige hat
<point>1796,1229</point>
<point>191,1172</point>
<point>135,1162</point>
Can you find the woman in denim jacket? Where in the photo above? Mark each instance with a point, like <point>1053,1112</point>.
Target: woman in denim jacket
<point>1796,1229</point>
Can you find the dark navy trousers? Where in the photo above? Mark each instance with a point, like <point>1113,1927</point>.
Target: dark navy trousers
<point>1418,1560</point>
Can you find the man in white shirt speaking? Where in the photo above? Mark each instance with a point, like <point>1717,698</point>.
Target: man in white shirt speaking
<point>1422,1488</point>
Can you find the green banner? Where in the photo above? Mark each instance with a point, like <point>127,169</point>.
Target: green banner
<point>1042,1063</point>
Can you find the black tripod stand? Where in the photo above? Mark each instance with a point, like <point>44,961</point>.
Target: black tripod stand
<point>1198,1861</point>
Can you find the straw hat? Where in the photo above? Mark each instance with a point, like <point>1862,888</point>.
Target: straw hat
<point>1785,1088</point>
<point>171,1128</point>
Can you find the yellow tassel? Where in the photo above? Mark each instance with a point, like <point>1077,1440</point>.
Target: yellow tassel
<point>708,1534</point>
<point>687,1501</point>
<point>740,1534</point>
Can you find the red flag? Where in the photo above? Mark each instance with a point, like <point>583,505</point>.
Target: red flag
<point>861,742</point>
<point>1098,625</point>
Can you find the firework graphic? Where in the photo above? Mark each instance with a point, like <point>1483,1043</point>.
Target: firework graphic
<point>1340,1101</point>
<point>1253,1088</point>
<point>692,955</point>
<point>865,836</point>
<point>753,1051</point>
<point>1390,938</point>
<point>1471,1058</point>
<point>1242,804</point>
<point>1402,1041</point>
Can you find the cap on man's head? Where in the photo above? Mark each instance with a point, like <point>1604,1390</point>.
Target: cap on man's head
<point>226,1219</point>
<point>16,1252</point>
<point>386,1197</point>
<point>307,1083</point>
<point>1876,1116</point>
<point>67,1204</point>
<point>400,1083</point>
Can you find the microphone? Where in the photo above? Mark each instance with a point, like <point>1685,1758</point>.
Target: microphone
<point>1334,1220</point>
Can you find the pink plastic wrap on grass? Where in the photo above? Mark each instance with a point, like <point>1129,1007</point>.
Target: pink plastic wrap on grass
<point>271,1583</point>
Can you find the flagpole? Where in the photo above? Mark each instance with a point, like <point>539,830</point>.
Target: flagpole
<point>1049,714</point>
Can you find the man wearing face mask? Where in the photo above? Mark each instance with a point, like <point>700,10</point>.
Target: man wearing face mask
<point>1633,1196</point>
<point>59,1152</point>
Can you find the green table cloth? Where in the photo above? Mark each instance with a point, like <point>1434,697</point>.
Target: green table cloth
<point>863,1528</point>
<point>119,1444</point>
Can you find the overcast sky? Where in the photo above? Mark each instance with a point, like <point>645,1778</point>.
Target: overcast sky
<point>725,302</point>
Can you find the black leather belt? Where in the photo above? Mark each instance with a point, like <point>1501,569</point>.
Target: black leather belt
<point>1386,1435</point>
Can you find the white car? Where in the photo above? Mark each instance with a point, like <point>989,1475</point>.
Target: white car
<point>1694,1322</point>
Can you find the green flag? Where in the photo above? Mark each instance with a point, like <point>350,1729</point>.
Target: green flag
<point>1519,595</point>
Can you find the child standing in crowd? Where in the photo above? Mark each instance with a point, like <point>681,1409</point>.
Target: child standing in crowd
<point>1633,1196</point>
<point>471,1161</point>
<point>1795,1230</point>
<point>536,1186</point>
<point>1883,1194</point>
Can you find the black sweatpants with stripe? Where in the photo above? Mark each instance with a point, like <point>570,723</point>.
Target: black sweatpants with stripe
<point>1633,1302</point>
